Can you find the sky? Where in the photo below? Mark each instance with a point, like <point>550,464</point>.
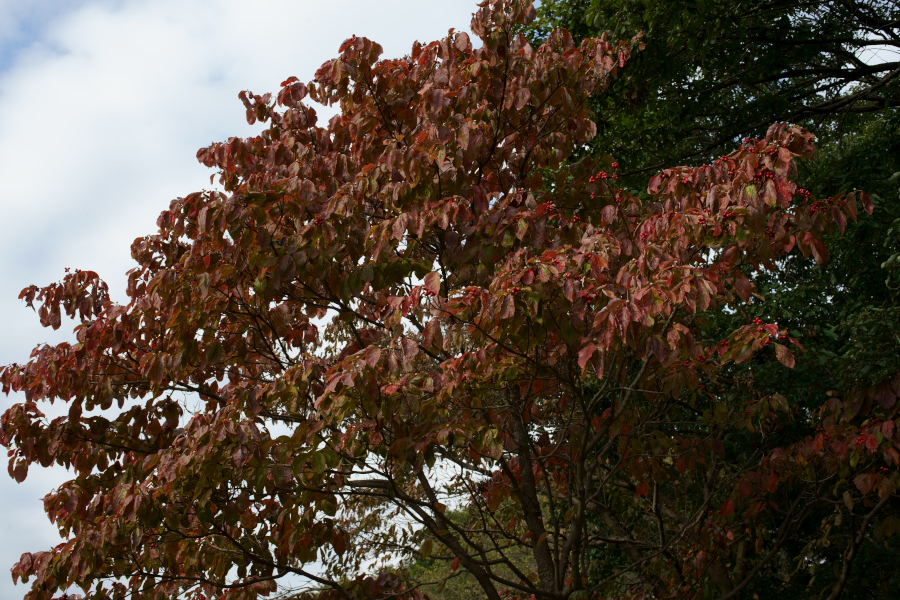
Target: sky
<point>103,105</point>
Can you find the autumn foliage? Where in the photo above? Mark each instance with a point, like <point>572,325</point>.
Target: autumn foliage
<point>425,329</point>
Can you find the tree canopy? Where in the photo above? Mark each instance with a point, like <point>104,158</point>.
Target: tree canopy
<point>715,71</point>
<point>437,328</point>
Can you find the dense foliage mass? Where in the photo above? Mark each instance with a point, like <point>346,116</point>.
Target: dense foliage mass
<point>432,329</point>
<point>712,71</point>
<point>715,71</point>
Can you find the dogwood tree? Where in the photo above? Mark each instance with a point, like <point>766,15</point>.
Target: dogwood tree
<point>426,329</point>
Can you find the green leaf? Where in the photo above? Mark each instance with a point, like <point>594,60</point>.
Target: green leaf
<point>319,463</point>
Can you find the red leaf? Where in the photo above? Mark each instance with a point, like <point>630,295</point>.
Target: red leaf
<point>784,356</point>
<point>522,97</point>
<point>433,282</point>
<point>585,355</point>
<point>433,337</point>
<point>890,453</point>
<point>410,348</point>
<point>462,41</point>
<point>455,564</point>
<point>743,287</point>
<point>885,395</point>
<point>339,543</point>
<point>867,203</point>
<point>728,508</point>
<point>507,308</point>
<point>864,482</point>
<point>373,355</point>
<point>819,252</point>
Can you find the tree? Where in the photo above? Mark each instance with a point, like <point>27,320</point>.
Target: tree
<point>715,71</point>
<point>424,330</point>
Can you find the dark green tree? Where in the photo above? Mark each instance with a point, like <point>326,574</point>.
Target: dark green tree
<point>715,71</point>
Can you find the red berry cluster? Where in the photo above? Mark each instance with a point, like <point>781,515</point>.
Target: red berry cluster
<point>757,321</point>
<point>318,220</point>
<point>429,293</point>
<point>803,193</point>
<point>515,290</point>
<point>702,220</point>
<point>599,176</point>
<point>576,219</point>
<point>685,180</point>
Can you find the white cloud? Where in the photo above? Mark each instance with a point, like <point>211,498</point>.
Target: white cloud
<point>102,107</point>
